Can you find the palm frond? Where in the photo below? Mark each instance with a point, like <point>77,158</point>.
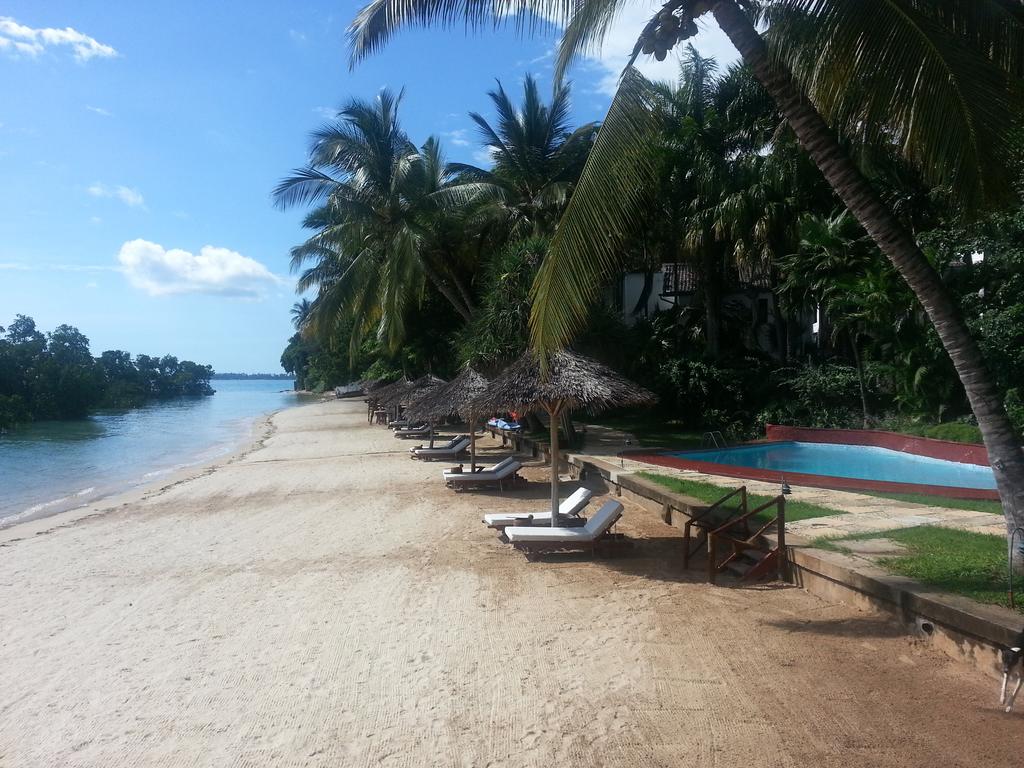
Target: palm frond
<point>939,80</point>
<point>379,21</point>
<point>601,214</point>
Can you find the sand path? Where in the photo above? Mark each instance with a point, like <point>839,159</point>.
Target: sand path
<point>309,606</point>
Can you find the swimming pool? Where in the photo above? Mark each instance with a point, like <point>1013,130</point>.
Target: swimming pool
<point>831,465</point>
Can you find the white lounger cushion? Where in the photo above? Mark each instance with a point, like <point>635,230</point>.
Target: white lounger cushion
<point>455,445</point>
<point>571,506</point>
<point>499,471</point>
<point>596,527</point>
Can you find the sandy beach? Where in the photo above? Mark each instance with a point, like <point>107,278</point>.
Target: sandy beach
<point>322,600</point>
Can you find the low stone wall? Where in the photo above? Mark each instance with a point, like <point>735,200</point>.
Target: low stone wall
<point>964,629</point>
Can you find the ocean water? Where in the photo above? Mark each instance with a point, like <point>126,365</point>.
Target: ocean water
<point>50,467</point>
<point>852,461</point>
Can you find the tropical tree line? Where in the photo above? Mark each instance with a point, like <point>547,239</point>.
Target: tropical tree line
<point>853,131</point>
<point>55,376</point>
<point>732,194</point>
<point>938,79</point>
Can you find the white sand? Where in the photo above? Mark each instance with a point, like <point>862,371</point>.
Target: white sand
<point>306,605</point>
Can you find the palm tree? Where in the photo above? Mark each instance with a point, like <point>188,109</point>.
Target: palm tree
<point>300,313</point>
<point>936,79</point>
<point>378,222</point>
<point>537,159</point>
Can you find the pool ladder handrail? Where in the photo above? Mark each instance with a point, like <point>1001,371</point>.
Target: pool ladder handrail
<point>714,439</point>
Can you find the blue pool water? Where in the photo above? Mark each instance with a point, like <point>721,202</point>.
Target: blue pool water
<point>854,461</point>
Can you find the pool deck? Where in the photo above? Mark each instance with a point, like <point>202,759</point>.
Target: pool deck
<point>864,514</point>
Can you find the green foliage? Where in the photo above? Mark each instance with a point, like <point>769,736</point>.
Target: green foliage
<point>959,562</point>
<point>56,377</point>
<point>957,432</point>
<point>815,396</point>
<point>500,328</point>
<point>710,493</point>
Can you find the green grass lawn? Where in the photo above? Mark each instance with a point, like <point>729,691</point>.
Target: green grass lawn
<point>651,432</point>
<point>973,505</point>
<point>960,562</point>
<point>708,492</point>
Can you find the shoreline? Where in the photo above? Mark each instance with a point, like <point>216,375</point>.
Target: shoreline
<point>259,431</point>
<point>320,599</point>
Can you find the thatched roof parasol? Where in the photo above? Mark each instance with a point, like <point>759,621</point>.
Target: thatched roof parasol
<point>382,393</point>
<point>453,398</point>
<point>571,382</point>
<point>416,388</point>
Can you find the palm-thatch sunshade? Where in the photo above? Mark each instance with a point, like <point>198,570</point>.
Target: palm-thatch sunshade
<point>376,397</point>
<point>418,387</point>
<point>402,392</point>
<point>454,398</point>
<point>571,382</point>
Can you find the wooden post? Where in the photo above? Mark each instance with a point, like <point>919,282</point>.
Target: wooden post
<point>472,442</point>
<point>712,556</point>
<point>781,558</point>
<point>553,416</point>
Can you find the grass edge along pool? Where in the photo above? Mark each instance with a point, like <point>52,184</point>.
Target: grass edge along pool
<point>839,466</point>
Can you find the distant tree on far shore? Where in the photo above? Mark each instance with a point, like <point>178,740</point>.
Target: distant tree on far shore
<point>55,376</point>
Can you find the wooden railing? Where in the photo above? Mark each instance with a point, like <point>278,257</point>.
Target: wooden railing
<point>736,533</point>
<point>706,521</point>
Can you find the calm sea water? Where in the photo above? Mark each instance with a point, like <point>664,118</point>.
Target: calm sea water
<point>49,467</point>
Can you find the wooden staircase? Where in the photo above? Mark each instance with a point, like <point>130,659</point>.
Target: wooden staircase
<point>727,524</point>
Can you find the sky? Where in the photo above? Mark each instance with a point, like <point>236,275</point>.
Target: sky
<point>140,142</point>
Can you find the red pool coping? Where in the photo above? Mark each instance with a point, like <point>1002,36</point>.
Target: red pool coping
<point>964,453</point>
<point>815,481</point>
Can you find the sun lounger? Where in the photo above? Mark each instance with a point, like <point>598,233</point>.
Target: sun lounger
<point>540,538</point>
<point>501,474</point>
<point>451,450</point>
<point>421,430</point>
<point>569,508</point>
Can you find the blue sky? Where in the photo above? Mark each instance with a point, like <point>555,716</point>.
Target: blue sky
<point>139,143</point>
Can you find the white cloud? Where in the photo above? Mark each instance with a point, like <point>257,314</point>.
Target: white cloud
<point>296,36</point>
<point>98,110</point>
<point>484,157</point>
<point>161,272</point>
<point>127,195</point>
<point>327,113</point>
<point>457,137</point>
<point>95,220</point>
<point>92,284</point>
<point>29,41</point>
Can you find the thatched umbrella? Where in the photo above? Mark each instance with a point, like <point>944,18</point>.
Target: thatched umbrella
<point>377,395</point>
<point>402,393</point>
<point>570,382</point>
<point>454,398</point>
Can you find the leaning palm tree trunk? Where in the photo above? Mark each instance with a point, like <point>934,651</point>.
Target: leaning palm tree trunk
<point>856,192</point>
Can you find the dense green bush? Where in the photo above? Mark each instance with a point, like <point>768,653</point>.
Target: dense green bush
<point>956,431</point>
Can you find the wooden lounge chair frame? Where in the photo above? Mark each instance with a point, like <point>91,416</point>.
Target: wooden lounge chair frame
<point>447,453</point>
<point>483,477</point>
<point>607,540</point>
